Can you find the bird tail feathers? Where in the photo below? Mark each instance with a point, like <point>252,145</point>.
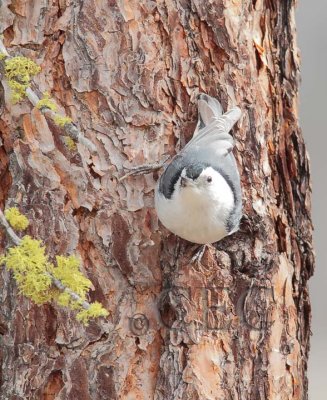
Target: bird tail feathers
<point>209,107</point>
<point>229,119</point>
<point>212,119</point>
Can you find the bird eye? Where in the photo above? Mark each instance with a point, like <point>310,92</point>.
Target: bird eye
<point>209,179</point>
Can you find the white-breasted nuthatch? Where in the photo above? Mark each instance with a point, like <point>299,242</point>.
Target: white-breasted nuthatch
<point>198,197</point>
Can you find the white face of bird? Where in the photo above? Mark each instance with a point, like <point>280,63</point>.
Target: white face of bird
<point>204,188</point>
<point>204,181</point>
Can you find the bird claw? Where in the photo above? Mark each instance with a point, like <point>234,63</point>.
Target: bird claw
<point>197,257</point>
<point>145,168</point>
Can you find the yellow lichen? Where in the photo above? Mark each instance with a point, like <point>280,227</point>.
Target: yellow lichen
<point>67,271</point>
<point>64,299</point>
<point>17,220</point>
<point>2,56</point>
<point>30,265</point>
<point>62,121</point>
<point>36,276</point>
<point>95,310</point>
<point>46,102</point>
<point>70,143</point>
<point>19,72</point>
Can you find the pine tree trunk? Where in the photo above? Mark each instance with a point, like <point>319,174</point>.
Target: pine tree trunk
<point>128,72</point>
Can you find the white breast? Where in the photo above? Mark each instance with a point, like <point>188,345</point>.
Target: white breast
<point>197,215</point>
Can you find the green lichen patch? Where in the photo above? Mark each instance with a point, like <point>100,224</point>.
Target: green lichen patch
<point>30,264</point>
<point>46,102</point>
<point>62,121</point>
<point>70,143</point>
<point>67,271</point>
<point>17,220</point>
<point>19,71</point>
<point>42,281</point>
<point>96,310</point>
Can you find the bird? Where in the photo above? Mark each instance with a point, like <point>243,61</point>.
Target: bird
<point>198,196</point>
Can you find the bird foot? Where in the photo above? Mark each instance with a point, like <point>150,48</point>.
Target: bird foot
<point>197,257</point>
<point>144,169</point>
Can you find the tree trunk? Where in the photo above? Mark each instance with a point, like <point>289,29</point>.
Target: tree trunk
<point>236,326</point>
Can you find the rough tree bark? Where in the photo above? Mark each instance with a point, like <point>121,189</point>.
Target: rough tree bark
<point>128,72</point>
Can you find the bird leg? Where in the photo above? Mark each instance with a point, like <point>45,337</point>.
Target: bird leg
<point>144,169</point>
<point>197,257</point>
